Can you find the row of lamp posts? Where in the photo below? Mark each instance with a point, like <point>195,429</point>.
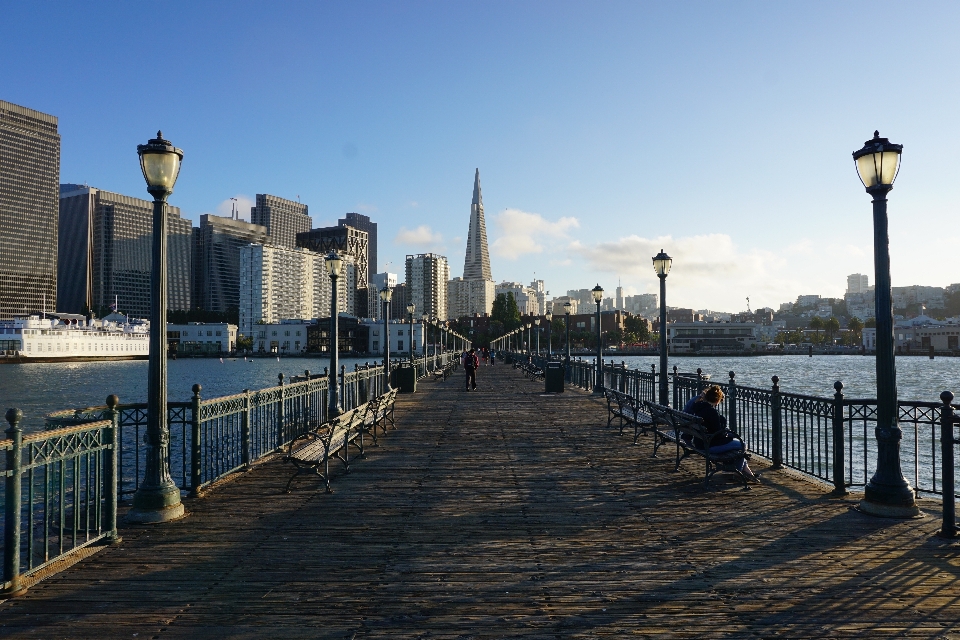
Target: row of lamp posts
<point>158,498</point>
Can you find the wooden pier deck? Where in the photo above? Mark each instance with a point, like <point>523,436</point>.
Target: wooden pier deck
<point>507,513</point>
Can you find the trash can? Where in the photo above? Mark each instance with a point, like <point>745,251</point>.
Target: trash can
<point>553,377</point>
<point>405,378</point>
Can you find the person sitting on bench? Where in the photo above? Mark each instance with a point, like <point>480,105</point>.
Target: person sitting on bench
<point>705,407</point>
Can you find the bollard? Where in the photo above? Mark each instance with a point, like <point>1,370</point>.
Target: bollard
<point>196,462</point>
<point>839,486</point>
<point>111,469</point>
<point>12,529</point>
<point>947,419</point>
<point>777,431</point>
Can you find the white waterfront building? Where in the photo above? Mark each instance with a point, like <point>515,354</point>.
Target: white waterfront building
<point>202,338</point>
<point>278,282</point>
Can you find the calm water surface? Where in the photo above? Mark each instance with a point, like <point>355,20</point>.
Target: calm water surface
<point>42,388</point>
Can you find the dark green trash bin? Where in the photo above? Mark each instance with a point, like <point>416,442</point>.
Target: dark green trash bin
<point>405,378</point>
<point>553,377</point>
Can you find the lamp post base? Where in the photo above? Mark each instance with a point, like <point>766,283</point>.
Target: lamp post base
<point>889,502</point>
<point>160,504</point>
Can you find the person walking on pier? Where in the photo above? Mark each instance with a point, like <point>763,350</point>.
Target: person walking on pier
<point>705,406</point>
<point>493,357</point>
<point>470,364</point>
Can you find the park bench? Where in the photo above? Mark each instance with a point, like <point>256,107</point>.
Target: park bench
<point>311,452</point>
<point>445,372</point>
<point>530,370</point>
<point>686,430</point>
<point>384,413</point>
<point>629,411</point>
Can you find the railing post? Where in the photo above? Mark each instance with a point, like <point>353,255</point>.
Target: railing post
<point>732,404</point>
<point>777,417</point>
<point>839,486</point>
<point>699,381</point>
<point>196,460</point>
<point>110,471</point>
<point>656,384</point>
<point>676,389</point>
<point>245,429</point>
<point>343,388</point>
<point>11,537</point>
<point>280,415</point>
<point>949,527</point>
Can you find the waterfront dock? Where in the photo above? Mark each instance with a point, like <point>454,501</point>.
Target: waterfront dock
<point>508,513</point>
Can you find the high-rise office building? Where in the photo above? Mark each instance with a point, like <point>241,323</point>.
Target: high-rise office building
<point>106,247</point>
<point>284,219</point>
<point>216,260</point>
<point>378,282</point>
<point>29,179</point>
<point>347,241</point>
<point>427,277</point>
<point>277,284</point>
<point>474,293</point>
<point>362,222</point>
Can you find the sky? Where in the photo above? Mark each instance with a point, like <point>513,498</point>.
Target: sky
<point>604,132</point>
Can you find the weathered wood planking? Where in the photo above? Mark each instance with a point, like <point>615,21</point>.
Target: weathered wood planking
<point>506,513</point>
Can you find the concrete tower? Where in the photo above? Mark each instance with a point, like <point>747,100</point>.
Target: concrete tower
<point>477,263</point>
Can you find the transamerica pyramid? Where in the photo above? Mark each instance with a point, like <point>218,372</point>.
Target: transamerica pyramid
<point>476,266</point>
<point>473,293</point>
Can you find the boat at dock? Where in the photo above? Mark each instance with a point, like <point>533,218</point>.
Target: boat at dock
<point>65,337</point>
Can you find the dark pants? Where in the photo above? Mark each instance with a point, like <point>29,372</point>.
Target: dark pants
<point>471,377</point>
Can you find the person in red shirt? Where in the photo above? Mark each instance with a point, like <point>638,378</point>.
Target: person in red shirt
<point>470,364</point>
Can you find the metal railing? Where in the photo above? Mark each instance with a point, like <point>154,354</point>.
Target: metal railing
<point>59,495</point>
<point>829,438</point>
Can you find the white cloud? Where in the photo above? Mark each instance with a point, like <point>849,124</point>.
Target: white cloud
<point>423,237</point>
<point>241,202</point>
<point>709,271</point>
<point>520,232</point>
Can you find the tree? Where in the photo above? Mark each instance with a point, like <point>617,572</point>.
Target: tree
<point>505,311</point>
<point>870,323</point>
<point>636,329</point>
<point>831,326</point>
<point>816,323</point>
<point>856,328</point>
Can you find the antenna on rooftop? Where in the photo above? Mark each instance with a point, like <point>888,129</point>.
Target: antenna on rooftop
<point>748,305</point>
<point>233,210</point>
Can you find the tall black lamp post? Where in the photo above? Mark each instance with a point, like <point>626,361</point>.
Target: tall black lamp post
<point>661,264</point>
<point>386,294</point>
<point>598,382</point>
<point>411,309</point>
<point>529,328</point>
<point>566,310</point>
<point>334,265</point>
<point>549,317</point>
<point>537,330</point>
<point>888,493</point>
<point>158,498</point>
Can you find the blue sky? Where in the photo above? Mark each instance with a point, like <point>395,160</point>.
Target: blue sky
<point>720,132</point>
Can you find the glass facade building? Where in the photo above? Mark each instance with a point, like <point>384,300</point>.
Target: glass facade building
<point>216,260</point>
<point>29,179</point>
<point>106,242</point>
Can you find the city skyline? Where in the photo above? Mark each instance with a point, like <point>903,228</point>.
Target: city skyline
<point>591,126</point>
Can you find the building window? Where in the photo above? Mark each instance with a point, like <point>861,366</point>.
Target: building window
<point>219,333</point>
<point>376,345</point>
<point>399,345</point>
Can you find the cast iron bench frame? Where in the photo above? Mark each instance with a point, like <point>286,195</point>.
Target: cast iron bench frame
<point>684,424</point>
<point>629,410</point>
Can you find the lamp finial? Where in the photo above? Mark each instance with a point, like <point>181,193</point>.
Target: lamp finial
<point>876,133</point>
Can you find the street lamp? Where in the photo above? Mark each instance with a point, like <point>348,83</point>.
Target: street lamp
<point>888,493</point>
<point>661,264</point>
<point>158,497</point>
<point>386,294</point>
<point>529,326</point>
<point>549,317</point>
<point>411,309</point>
<point>598,382</point>
<point>334,265</point>
<point>566,310</point>
<point>537,329</point>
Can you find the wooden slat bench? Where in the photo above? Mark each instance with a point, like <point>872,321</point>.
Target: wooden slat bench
<point>686,430</point>
<point>629,411</point>
<point>311,452</point>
